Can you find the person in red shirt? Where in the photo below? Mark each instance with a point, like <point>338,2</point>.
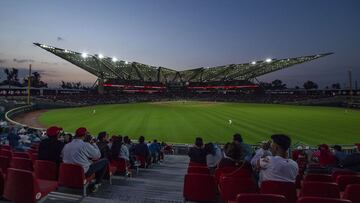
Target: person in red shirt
<point>326,158</point>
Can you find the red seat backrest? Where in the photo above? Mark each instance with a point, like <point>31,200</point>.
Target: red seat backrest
<point>141,159</point>
<point>320,189</point>
<point>120,165</point>
<point>352,192</point>
<point>230,187</point>
<point>288,189</point>
<point>4,163</point>
<point>5,152</point>
<point>71,175</point>
<point>196,164</point>
<point>46,170</point>
<point>318,177</point>
<point>21,186</point>
<point>337,173</point>
<point>7,147</point>
<point>199,187</point>
<point>198,169</point>
<point>344,180</point>
<point>222,171</point>
<point>22,163</point>
<point>21,155</point>
<point>321,200</point>
<point>2,183</point>
<point>260,198</point>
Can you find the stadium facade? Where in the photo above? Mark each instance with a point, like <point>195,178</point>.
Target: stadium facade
<point>112,72</point>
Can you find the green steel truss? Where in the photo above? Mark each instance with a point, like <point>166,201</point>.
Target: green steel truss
<point>109,68</point>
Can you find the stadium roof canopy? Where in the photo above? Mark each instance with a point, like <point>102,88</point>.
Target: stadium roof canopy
<point>112,68</point>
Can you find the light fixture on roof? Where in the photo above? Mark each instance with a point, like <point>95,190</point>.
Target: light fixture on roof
<point>100,56</point>
<point>114,59</point>
<point>126,62</point>
<point>84,55</point>
<point>66,51</point>
<point>268,60</point>
<point>253,63</point>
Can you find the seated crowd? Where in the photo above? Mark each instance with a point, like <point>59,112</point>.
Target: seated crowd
<point>98,158</point>
<point>268,170</point>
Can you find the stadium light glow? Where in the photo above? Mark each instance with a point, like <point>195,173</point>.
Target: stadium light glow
<point>114,59</point>
<point>253,63</point>
<point>66,51</point>
<point>268,60</point>
<point>100,56</point>
<point>126,62</point>
<point>84,55</point>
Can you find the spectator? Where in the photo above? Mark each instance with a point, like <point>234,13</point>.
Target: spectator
<point>339,154</point>
<point>247,149</point>
<point>119,150</point>
<point>234,157</point>
<point>197,153</point>
<point>102,143</point>
<point>326,158</point>
<point>50,148</point>
<point>82,153</point>
<point>213,155</point>
<point>67,138</point>
<point>263,152</point>
<point>13,137</point>
<point>154,149</point>
<point>278,167</point>
<point>141,149</point>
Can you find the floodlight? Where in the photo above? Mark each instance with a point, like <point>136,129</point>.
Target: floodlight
<point>253,63</point>
<point>126,62</point>
<point>100,56</point>
<point>84,55</point>
<point>114,59</point>
<point>268,60</point>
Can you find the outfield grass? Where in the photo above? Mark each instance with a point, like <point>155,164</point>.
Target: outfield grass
<point>181,122</point>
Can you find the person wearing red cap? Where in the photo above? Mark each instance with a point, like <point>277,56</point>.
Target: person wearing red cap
<point>50,148</point>
<point>83,151</point>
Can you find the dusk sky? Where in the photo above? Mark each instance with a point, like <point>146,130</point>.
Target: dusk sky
<point>184,34</point>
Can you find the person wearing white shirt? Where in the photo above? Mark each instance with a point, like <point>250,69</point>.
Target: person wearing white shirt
<point>264,151</point>
<point>85,153</point>
<point>278,167</point>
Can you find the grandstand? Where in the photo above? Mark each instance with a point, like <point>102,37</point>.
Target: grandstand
<point>112,72</point>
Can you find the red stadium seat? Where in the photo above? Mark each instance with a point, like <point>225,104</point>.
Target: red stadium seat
<point>318,178</point>
<point>21,155</point>
<point>259,198</point>
<point>22,186</point>
<point>321,200</point>
<point>6,147</point>
<point>287,189</point>
<point>352,192</point>
<point>46,170</point>
<point>33,157</point>
<point>320,189</point>
<point>120,164</point>
<point>223,171</point>
<point>31,150</point>
<point>22,163</point>
<point>142,161</point>
<point>344,180</point>
<point>5,152</point>
<point>110,171</point>
<point>4,163</point>
<point>72,175</point>
<point>198,169</point>
<point>337,173</point>
<point>2,183</point>
<point>199,187</point>
<point>230,187</point>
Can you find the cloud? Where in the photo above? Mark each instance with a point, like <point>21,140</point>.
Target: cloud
<point>60,39</point>
<point>23,60</point>
<point>2,60</point>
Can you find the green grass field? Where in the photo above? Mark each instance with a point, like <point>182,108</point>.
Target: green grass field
<point>181,122</point>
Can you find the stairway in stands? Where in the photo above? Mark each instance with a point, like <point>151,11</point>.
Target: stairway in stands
<point>163,183</point>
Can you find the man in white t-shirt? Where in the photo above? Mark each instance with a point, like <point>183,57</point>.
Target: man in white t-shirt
<point>278,167</point>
